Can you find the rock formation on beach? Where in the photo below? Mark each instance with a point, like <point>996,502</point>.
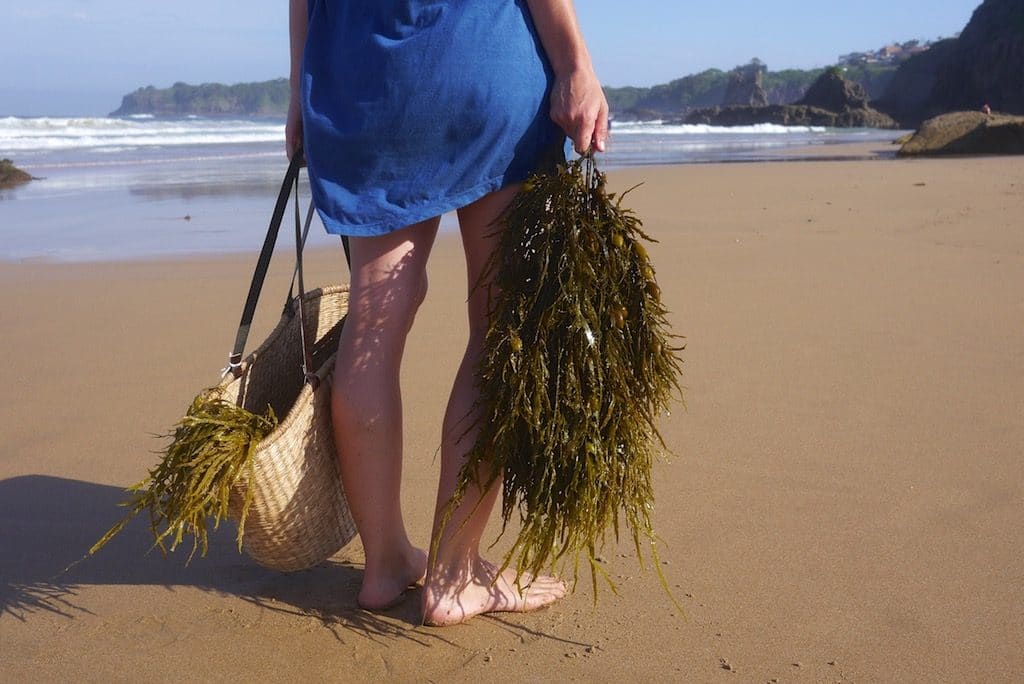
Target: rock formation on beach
<point>746,86</point>
<point>11,175</point>
<point>985,65</point>
<point>967,133</point>
<point>830,101</point>
<point>834,93</point>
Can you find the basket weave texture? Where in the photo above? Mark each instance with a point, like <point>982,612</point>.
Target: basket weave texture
<point>299,516</point>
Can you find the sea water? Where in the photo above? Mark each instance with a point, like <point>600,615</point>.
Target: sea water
<point>142,187</point>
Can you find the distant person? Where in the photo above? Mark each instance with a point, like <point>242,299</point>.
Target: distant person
<point>406,110</point>
<point>986,110</point>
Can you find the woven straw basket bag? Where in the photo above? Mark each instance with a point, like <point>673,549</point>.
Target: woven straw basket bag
<point>298,516</point>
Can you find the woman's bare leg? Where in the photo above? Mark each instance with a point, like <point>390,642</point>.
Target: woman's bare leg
<point>389,282</point>
<point>461,584</point>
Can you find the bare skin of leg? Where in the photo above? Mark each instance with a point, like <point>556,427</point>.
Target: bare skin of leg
<point>389,282</point>
<point>461,584</point>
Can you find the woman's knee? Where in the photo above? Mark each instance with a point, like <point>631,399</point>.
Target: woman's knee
<point>380,318</point>
<point>405,304</point>
<point>390,276</point>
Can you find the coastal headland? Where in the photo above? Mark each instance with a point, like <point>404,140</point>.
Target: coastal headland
<point>842,503</point>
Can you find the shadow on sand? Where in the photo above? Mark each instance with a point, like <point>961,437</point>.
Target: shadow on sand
<point>49,523</point>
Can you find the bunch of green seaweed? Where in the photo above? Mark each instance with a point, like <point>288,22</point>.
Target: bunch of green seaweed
<point>579,364</point>
<point>211,449</point>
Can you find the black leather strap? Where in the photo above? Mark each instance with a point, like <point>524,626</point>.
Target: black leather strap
<point>290,183</point>
<point>263,263</point>
<point>308,370</point>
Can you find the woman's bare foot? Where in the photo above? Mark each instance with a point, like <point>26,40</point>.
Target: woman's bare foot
<point>453,597</point>
<point>385,585</point>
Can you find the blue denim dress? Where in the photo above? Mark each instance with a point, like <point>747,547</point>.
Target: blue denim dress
<point>412,108</point>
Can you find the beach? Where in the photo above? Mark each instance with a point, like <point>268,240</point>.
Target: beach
<point>844,500</point>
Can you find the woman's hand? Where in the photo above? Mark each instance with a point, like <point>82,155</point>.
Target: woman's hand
<point>293,128</point>
<point>579,106</point>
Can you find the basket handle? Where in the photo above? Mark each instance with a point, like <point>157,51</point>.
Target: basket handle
<point>300,241</point>
<point>290,182</point>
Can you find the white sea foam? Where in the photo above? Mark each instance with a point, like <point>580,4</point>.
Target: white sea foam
<point>48,133</point>
<point>661,128</point>
<point>144,131</point>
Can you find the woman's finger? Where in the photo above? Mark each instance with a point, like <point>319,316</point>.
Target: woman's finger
<point>582,137</point>
<point>591,129</point>
<point>601,129</point>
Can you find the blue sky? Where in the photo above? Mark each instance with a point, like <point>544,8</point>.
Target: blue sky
<point>65,57</point>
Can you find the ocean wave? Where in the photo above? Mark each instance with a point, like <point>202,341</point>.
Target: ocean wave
<point>128,142</point>
<point>49,133</point>
<point>659,128</point>
<point>170,158</point>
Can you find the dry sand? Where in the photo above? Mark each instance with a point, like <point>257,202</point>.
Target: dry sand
<point>845,502</point>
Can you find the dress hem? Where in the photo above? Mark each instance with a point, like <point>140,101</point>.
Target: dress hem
<point>447,204</point>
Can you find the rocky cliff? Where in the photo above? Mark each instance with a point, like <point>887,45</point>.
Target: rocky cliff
<point>987,61</point>
<point>908,95</point>
<point>830,101</point>
<point>985,65</point>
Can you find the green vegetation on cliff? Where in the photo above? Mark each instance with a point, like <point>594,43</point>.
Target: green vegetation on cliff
<point>266,98</point>
<point>698,90</point>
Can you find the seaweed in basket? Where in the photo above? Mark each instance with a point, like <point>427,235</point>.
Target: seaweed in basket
<point>210,449</point>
